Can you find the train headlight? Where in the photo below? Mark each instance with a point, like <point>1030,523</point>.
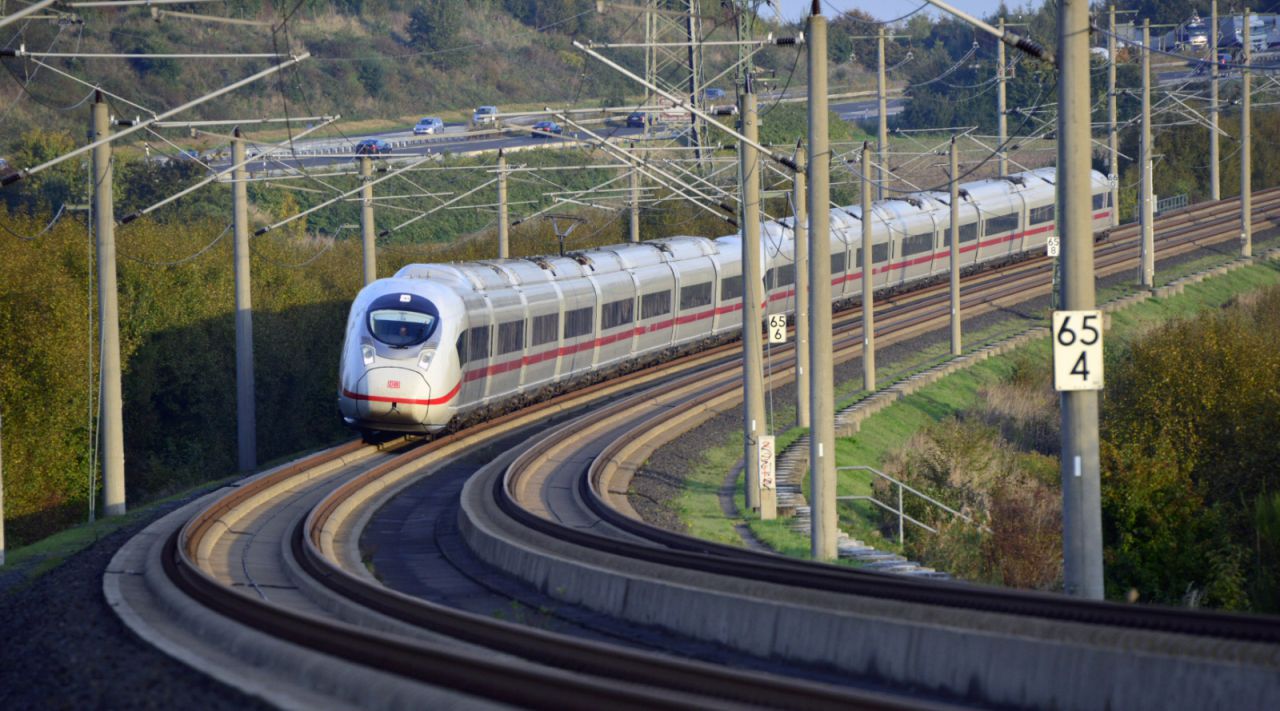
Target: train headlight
<point>424,358</point>
<point>367,352</point>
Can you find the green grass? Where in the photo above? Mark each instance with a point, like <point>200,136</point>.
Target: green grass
<point>699,503</point>
<point>893,427</point>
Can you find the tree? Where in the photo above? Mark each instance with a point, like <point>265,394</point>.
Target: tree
<point>51,188</point>
<point>434,28</point>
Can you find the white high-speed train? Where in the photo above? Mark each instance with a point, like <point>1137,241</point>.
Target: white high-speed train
<point>438,341</point>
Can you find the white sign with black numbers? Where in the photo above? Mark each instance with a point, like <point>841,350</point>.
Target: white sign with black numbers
<point>1053,247</point>
<point>1077,350</point>
<point>766,452</point>
<point>777,328</point>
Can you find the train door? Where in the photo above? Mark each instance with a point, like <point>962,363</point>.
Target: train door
<point>509,325</point>
<point>728,297</point>
<point>474,347</point>
<point>655,319</point>
<point>542,342</point>
<point>843,267</point>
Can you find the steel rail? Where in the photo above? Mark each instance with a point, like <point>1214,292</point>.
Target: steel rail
<point>650,680</point>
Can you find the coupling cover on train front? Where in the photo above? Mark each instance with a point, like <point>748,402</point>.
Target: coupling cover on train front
<point>390,396</point>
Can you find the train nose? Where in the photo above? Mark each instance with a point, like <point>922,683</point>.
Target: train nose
<point>392,395</point>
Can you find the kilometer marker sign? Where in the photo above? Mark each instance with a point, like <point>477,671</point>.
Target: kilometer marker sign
<point>1077,350</point>
<point>777,328</point>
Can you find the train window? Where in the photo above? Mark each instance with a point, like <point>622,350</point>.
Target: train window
<point>695,295</point>
<point>577,322</point>
<point>1041,214</point>
<point>462,348</point>
<point>655,304</point>
<point>1000,224</point>
<point>838,262</point>
<point>401,328</point>
<point>545,328</point>
<point>879,253</point>
<point>769,278</point>
<point>478,343</point>
<point>1100,200</point>
<point>510,336</point>
<point>968,233</point>
<point>731,288</point>
<point>617,313</point>
<point>915,244</point>
<point>786,275</point>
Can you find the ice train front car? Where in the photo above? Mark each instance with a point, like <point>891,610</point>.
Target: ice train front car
<point>399,370</point>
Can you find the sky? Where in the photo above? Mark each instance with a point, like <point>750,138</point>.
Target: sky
<point>889,9</point>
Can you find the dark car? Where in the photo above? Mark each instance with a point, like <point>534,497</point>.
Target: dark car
<point>636,119</point>
<point>547,128</point>
<point>373,147</point>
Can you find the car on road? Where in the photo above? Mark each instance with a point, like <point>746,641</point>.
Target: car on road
<point>373,147</point>
<point>428,126</point>
<point>484,115</point>
<point>712,94</point>
<point>547,128</point>
<point>636,119</point>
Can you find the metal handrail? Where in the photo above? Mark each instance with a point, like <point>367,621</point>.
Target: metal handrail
<point>902,516</point>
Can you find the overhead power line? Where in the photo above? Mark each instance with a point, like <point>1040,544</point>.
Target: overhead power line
<point>27,172</point>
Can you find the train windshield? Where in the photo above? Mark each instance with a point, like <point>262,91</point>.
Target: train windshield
<point>401,328</point>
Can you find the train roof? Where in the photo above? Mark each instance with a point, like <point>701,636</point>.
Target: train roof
<point>996,188</point>
<point>496,274</point>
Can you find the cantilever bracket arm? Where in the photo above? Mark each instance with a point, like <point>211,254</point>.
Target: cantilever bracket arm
<point>683,103</point>
<point>1025,44</point>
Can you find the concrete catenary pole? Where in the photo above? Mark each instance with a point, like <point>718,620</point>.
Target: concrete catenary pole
<point>1002,104</point>
<point>635,198</point>
<point>1147,270</point>
<point>801,222</point>
<point>1215,181</point>
<point>822,433</point>
<point>246,417</point>
<point>368,231</point>
<point>956,346</point>
<point>1246,145</point>
<point>694,26</point>
<point>504,217</point>
<point>882,135</point>
<point>1081,501</point>
<point>1113,133</point>
<point>112,413</point>
<point>650,59</point>
<point>868,277</point>
<point>753,420</point>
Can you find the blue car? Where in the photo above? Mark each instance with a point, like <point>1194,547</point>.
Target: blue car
<point>373,147</point>
<point>547,128</point>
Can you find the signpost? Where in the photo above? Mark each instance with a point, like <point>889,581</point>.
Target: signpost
<point>777,328</point>
<point>768,481</point>
<point>1077,350</point>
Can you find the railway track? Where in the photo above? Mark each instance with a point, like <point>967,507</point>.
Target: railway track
<point>280,555</point>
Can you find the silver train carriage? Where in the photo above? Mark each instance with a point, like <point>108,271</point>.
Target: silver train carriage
<point>439,340</point>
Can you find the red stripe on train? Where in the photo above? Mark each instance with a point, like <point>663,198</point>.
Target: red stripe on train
<point>408,401</point>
